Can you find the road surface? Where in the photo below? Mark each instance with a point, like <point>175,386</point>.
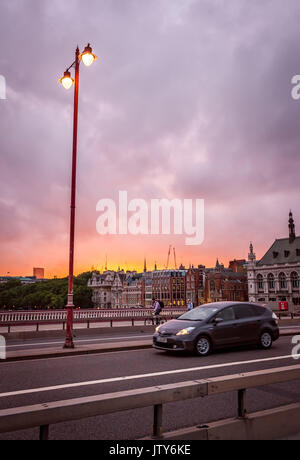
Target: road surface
<point>45,380</point>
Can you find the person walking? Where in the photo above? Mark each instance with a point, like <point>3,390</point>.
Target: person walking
<point>190,305</point>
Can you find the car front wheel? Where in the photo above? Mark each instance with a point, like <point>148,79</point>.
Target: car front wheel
<point>265,340</point>
<point>203,346</point>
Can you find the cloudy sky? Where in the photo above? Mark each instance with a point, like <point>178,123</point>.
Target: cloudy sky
<point>189,99</point>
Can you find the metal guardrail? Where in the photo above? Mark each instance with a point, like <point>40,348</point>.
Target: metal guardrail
<point>8,319</point>
<point>43,415</point>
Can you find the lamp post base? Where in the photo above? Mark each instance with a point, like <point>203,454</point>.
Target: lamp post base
<point>69,343</point>
<point>69,331</point>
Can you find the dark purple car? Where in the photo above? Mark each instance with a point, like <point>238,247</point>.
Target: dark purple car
<point>218,325</point>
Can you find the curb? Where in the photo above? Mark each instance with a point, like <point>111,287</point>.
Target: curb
<point>81,332</point>
<point>105,348</point>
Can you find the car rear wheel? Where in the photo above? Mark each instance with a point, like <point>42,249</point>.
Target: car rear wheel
<point>265,340</point>
<point>203,346</point>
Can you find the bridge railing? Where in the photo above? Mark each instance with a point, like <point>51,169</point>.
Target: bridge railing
<point>8,319</point>
<point>44,415</point>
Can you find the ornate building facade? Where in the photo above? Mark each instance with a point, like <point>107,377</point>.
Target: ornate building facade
<point>226,284</point>
<point>134,291</point>
<point>276,277</point>
<point>107,289</point>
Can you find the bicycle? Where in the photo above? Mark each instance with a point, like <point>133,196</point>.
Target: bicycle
<point>155,320</point>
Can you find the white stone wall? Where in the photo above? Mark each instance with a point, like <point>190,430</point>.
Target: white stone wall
<point>290,292</point>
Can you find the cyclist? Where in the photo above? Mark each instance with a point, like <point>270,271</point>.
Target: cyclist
<point>157,309</point>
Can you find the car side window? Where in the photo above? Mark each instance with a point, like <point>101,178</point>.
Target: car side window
<point>227,314</point>
<point>244,311</point>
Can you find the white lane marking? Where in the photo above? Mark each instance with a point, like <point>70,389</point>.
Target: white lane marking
<point>80,341</point>
<point>142,376</point>
<point>103,340</point>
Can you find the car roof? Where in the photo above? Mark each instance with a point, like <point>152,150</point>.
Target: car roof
<point>221,305</point>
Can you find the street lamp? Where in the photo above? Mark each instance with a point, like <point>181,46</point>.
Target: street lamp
<point>87,57</point>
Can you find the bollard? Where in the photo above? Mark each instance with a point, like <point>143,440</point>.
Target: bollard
<point>242,403</point>
<point>44,433</point>
<point>157,422</point>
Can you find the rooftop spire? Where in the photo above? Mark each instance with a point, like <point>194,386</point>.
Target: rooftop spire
<point>251,255</point>
<point>292,234</point>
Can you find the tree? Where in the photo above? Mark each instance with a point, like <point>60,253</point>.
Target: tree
<point>46,294</point>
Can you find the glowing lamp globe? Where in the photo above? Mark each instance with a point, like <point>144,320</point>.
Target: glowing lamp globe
<point>67,81</point>
<point>87,57</point>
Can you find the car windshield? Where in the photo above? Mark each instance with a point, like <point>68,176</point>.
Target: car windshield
<point>199,313</point>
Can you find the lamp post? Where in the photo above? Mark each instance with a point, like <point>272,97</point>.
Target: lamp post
<point>87,57</point>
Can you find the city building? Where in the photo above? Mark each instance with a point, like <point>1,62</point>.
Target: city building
<point>22,279</point>
<point>134,291</point>
<point>174,287</point>
<point>238,266</point>
<point>194,284</point>
<point>169,287</point>
<point>275,277</point>
<point>226,284</point>
<point>148,277</point>
<point>107,288</point>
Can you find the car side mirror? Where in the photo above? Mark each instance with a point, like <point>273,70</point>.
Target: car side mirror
<point>217,321</point>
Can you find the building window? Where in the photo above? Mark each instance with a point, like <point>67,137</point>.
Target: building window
<point>282,281</point>
<point>260,282</point>
<point>271,281</point>
<point>295,280</point>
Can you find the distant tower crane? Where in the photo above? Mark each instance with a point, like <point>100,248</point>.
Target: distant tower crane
<point>169,253</point>
<point>175,258</point>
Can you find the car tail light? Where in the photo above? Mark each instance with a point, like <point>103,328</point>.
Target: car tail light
<point>275,317</point>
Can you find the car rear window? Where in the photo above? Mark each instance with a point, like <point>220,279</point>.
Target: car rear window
<point>259,311</point>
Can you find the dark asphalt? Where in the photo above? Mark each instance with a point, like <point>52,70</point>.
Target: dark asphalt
<point>19,376</point>
<point>104,336</point>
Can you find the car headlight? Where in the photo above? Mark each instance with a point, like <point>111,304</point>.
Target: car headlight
<point>186,331</point>
<point>157,328</point>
